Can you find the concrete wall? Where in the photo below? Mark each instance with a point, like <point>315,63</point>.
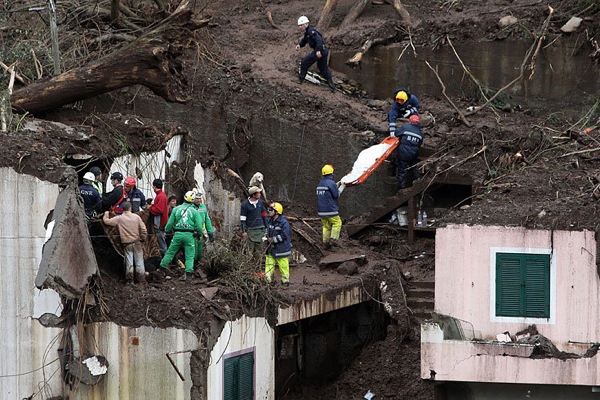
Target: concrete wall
<point>151,165</point>
<point>28,349</point>
<point>138,367</point>
<point>242,335</point>
<point>464,277</point>
<point>465,268</point>
<point>290,160</point>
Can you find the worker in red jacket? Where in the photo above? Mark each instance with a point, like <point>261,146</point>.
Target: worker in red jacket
<point>159,209</point>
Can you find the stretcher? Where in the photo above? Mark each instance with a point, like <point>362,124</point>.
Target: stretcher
<point>368,161</point>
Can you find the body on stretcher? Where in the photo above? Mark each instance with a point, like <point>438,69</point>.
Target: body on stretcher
<point>368,161</point>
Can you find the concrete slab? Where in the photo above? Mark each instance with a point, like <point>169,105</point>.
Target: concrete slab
<point>68,259</point>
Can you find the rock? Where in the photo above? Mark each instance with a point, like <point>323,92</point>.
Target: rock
<point>507,21</point>
<point>347,268</point>
<point>572,25</point>
<point>209,292</point>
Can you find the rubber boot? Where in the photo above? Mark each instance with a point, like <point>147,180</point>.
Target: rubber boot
<point>331,84</point>
<point>301,77</point>
<point>185,276</point>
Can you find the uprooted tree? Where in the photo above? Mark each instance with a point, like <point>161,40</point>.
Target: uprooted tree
<point>151,60</point>
<point>356,10</point>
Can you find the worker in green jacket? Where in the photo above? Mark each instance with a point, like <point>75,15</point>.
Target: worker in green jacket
<point>201,208</point>
<point>187,224</point>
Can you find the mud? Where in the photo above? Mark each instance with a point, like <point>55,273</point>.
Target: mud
<point>529,166</point>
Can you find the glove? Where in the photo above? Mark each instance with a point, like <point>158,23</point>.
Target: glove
<point>406,114</point>
<point>211,237</point>
<point>392,134</point>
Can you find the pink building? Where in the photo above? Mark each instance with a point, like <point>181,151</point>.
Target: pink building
<point>493,282</point>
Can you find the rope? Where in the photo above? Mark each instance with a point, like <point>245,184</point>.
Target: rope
<point>298,164</point>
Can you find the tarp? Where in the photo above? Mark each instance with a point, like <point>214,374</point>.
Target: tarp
<point>368,161</point>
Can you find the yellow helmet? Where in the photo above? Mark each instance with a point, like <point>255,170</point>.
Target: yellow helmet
<point>401,97</point>
<point>277,207</point>
<point>327,169</point>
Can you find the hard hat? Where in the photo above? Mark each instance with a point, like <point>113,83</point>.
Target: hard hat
<point>198,194</point>
<point>117,175</point>
<point>277,207</point>
<point>96,171</point>
<point>189,196</point>
<point>302,20</point>
<point>88,176</point>
<point>129,182</point>
<point>327,169</point>
<point>253,189</point>
<point>414,119</point>
<point>401,97</point>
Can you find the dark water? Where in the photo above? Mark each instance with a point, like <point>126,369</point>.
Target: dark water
<point>565,76</point>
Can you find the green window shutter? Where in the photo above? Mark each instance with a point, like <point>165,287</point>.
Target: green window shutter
<point>238,377</point>
<point>537,286</point>
<point>523,285</point>
<point>508,285</point>
<point>246,377</point>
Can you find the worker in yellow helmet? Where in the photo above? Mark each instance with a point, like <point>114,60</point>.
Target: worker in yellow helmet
<point>327,207</point>
<point>279,244</point>
<point>405,105</point>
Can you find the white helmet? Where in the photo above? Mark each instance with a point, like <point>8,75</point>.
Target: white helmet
<point>189,196</point>
<point>302,20</point>
<point>89,176</point>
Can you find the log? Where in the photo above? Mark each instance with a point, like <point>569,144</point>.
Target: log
<point>357,57</point>
<point>403,13</point>
<point>151,61</point>
<point>327,14</point>
<point>354,13</point>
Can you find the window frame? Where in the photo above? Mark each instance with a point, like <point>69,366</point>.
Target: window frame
<point>251,350</point>
<point>552,300</point>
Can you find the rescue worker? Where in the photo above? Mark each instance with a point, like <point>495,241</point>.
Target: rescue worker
<point>89,194</point>
<point>319,54</point>
<point>210,231</point>
<point>279,244</point>
<point>112,200</point>
<point>411,138</point>
<point>405,105</point>
<point>327,207</point>
<point>134,195</point>
<point>187,223</point>
<point>254,221</point>
<point>160,212</point>
<point>98,181</point>
<point>132,232</point>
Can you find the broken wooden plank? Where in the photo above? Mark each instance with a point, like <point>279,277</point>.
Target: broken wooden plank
<point>339,258</point>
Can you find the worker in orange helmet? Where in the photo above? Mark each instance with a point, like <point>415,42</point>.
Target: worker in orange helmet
<point>405,105</point>
<point>134,195</point>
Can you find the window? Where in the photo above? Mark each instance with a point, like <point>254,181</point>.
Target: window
<point>238,377</point>
<point>523,285</point>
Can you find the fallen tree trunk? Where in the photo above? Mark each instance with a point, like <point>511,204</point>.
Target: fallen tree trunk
<point>403,13</point>
<point>354,13</point>
<point>327,14</point>
<point>151,61</point>
<point>357,57</point>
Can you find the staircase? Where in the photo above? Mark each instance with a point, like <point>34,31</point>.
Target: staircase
<point>420,299</point>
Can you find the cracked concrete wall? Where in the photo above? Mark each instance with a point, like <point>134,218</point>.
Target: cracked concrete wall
<point>68,259</point>
<point>28,349</point>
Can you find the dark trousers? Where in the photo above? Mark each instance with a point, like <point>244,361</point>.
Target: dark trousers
<point>321,63</point>
<point>405,174</point>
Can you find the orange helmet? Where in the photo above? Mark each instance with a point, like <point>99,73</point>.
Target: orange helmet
<point>129,182</point>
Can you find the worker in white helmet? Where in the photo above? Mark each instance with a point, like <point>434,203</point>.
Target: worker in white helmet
<point>319,54</point>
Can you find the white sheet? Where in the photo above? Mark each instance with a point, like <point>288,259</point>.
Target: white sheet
<point>365,160</point>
